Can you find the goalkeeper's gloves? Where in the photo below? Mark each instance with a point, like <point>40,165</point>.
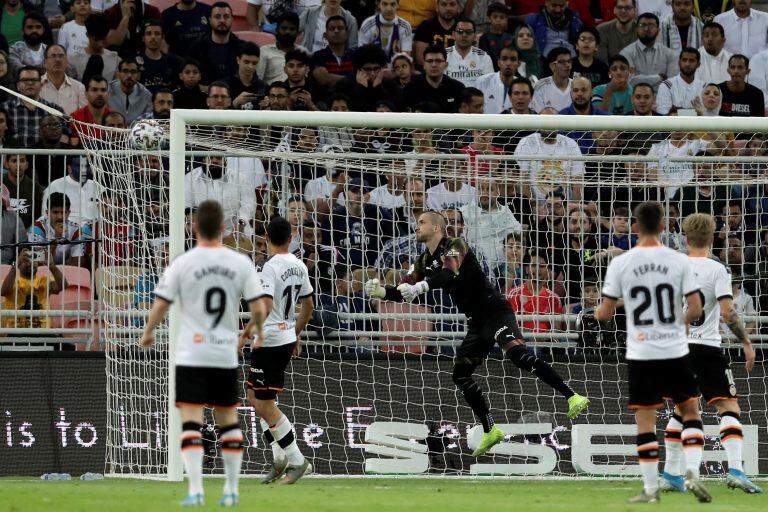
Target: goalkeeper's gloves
<point>411,291</point>
<point>373,288</point>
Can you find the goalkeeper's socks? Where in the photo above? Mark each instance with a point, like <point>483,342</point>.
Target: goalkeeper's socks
<point>282,431</point>
<point>525,359</point>
<point>693,444</point>
<point>648,455</point>
<point>277,453</point>
<point>192,455</point>
<point>732,438</point>
<point>232,452</point>
<point>673,445</point>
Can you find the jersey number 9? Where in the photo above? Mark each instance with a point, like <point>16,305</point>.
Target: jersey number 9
<point>215,304</point>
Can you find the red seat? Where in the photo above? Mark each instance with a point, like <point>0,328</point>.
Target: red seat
<point>260,38</point>
<point>386,309</point>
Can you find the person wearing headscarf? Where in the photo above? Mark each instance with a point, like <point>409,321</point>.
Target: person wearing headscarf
<point>531,62</point>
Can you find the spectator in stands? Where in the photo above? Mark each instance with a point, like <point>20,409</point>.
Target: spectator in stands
<point>159,70</point>
<point>83,193</point>
<point>399,253</point>
<point>387,30</point>
<point>701,196</point>
<point>581,104</point>
<point>416,12</point>
<point>7,78</point>
<point>369,85</point>
<point>219,97</point>
<point>26,195</point>
<point>496,87</point>
<point>554,91</point>
<point>24,118</point>
<point>189,93</point>
<point>245,87</point>
<point>615,97</point>
<point>746,29</point>
<point>299,79</point>
<point>549,174</point>
<point>437,31</point>
<point>550,226</point>
<point>714,57</point>
<point>72,35</point>
<point>471,101</point>
<point>57,87</point>
<point>497,37</point>
<point>534,297</point>
<point>555,26</point>
<point>333,62</point>
<point>126,22</point>
<point>520,97</point>
<point>30,50</point>
<point>403,69</point>
<point>126,94</point>
<point>531,59</point>
<point>95,112</point>
<point>620,32</point>
<point>740,99</point>
<point>743,302</point>
<point>145,284</point>
<point>326,317</point>
<point>673,236</point>
<point>511,271</point>
<point>218,52</point>
<point>643,100</point>
<point>586,63</point>
<point>278,98</point>
<point>677,173</point>
<point>681,29</point>
<point>12,17</point>
<point>466,62</point>
<point>26,290</point>
<point>452,193</point>
<point>733,225</point>
<point>433,84</point>
<point>651,61</point>
<point>619,237</point>
<point>95,60</point>
<point>12,229</point>
<point>681,91</point>
<point>162,103</point>
<point>272,61</point>
<point>313,19</point>
<point>577,257</point>
<point>185,24</point>
<point>55,225</point>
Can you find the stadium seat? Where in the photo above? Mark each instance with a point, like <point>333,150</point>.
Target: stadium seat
<point>4,269</point>
<point>260,38</point>
<point>388,324</point>
<point>114,285</point>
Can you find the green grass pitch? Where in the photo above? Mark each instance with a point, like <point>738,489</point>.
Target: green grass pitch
<point>364,495</point>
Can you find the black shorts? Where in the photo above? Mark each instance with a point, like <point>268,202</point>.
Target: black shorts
<point>217,388</point>
<point>713,373</point>
<point>652,382</point>
<point>484,332</point>
<point>267,374</point>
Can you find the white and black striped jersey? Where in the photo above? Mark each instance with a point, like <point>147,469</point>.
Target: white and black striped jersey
<point>676,93</point>
<point>284,278</point>
<point>714,280</point>
<point>468,69</point>
<point>393,37</point>
<point>547,94</point>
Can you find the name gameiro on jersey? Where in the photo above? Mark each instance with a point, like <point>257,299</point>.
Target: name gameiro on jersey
<point>653,281</point>
<point>209,282</point>
<point>714,280</point>
<point>284,278</point>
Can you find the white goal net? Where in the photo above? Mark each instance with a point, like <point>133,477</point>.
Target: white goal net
<point>544,202</point>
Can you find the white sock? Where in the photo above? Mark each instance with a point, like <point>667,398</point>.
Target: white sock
<point>648,455</point>
<point>673,447</point>
<point>277,453</point>
<point>693,444</point>
<point>282,431</point>
<point>232,453</point>
<point>732,439</point>
<point>192,456</point>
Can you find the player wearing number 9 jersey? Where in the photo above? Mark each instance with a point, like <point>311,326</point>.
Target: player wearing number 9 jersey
<point>712,369</point>
<point>285,284</point>
<point>653,280</point>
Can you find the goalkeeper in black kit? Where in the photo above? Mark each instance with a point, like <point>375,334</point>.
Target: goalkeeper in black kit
<point>450,264</point>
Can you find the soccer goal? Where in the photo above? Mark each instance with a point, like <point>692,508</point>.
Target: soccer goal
<point>543,201</point>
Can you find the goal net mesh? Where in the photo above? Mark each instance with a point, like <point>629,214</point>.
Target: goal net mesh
<point>544,212</point>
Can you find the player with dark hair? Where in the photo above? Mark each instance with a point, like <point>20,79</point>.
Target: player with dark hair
<point>209,281</point>
<point>285,283</point>
<point>450,264</point>
<point>654,281</point>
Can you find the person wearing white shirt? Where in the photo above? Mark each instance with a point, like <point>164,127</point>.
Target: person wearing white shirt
<point>675,174</point>
<point>387,30</point>
<point>550,174</point>
<point>466,62</point>
<point>554,91</point>
<point>497,86</point>
<point>451,194</point>
<point>661,8</point>
<point>84,194</point>
<point>714,57</point>
<point>73,35</point>
<point>679,92</point>
<point>747,28</point>
<point>57,87</point>
<point>758,73</point>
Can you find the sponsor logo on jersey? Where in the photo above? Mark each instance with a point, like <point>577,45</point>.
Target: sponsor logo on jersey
<point>282,326</point>
<point>257,370</point>
<point>198,338</point>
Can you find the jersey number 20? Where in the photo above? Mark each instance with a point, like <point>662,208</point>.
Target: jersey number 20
<point>664,294</point>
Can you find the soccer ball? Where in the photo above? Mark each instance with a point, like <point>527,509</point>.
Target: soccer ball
<point>147,135</point>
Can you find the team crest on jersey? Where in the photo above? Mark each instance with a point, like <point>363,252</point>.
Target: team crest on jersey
<point>198,338</point>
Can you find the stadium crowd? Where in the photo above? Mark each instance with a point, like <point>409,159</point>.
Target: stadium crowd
<point>115,63</point>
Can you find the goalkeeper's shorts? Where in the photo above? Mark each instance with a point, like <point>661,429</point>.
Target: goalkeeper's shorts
<point>483,333</point>
<point>651,382</point>
<point>713,373</point>
<point>217,388</point>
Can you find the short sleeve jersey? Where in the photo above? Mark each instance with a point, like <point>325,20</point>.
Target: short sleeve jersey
<point>714,284</point>
<point>284,278</point>
<point>653,282</point>
<point>209,282</point>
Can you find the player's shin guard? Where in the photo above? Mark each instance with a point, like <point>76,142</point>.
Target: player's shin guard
<point>674,462</point>
<point>648,455</point>
<point>192,455</point>
<point>277,453</point>
<point>462,377</point>
<point>525,359</point>
<point>282,431</point>
<point>693,445</point>
<point>232,452</point>
<point>732,438</point>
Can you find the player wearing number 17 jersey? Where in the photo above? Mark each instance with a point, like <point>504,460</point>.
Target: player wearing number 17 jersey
<point>285,283</point>
<point>653,280</point>
<point>713,372</point>
<point>208,281</point>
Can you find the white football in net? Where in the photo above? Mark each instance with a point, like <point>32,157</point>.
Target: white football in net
<point>147,135</point>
